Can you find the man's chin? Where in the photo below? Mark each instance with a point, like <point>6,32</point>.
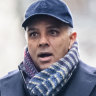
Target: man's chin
<point>44,66</point>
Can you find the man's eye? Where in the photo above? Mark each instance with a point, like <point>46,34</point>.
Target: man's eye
<point>33,34</point>
<point>54,32</point>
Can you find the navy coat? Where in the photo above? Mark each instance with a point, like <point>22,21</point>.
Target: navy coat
<point>82,83</point>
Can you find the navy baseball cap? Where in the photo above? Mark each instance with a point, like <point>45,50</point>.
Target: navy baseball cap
<point>55,8</point>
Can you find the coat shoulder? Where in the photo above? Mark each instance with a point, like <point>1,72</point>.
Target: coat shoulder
<point>10,75</point>
<point>87,70</point>
<point>12,84</point>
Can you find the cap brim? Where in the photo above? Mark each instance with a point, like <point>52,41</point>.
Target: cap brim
<point>25,23</point>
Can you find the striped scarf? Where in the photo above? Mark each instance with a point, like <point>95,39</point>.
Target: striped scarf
<point>49,82</point>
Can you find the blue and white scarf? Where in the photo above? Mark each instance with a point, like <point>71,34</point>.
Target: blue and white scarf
<point>49,82</point>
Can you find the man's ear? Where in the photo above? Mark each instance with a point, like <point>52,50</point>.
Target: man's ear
<point>72,38</point>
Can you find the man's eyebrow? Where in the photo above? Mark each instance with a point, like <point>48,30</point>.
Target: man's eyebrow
<point>30,28</point>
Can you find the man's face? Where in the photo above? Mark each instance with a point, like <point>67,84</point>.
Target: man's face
<point>48,41</point>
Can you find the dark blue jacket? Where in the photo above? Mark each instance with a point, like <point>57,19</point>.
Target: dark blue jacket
<point>82,83</point>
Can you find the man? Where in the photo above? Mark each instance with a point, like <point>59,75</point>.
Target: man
<point>51,65</point>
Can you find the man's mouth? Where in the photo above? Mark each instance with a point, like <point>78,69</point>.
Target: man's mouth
<point>42,55</point>
<point>45,57</point>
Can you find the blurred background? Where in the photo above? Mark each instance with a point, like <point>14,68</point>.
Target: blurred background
<point>12,39</point>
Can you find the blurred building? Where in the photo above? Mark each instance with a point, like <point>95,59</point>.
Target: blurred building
<point>12,40</point>
<point>11,36</point>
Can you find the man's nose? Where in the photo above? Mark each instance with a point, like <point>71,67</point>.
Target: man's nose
<point>43,42</point>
